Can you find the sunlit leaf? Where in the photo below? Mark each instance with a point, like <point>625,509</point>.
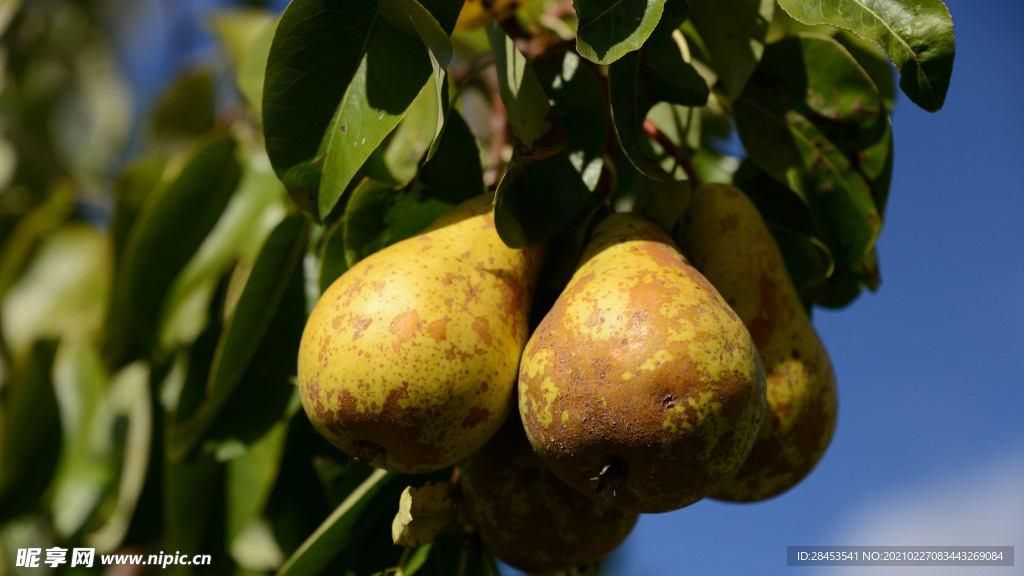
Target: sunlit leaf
<point>321,121</point>
<point>246,35</point>
<point>422,513</point>
<point>271,280</point>
<point>917,36</point>
<point>608,29</point>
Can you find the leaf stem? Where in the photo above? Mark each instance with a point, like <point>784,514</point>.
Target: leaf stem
<point>652,130</point>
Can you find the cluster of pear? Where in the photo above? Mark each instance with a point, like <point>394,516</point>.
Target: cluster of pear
<point>655,380</point>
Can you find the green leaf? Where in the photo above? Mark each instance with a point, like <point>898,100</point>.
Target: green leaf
<point>734,34</point>
<point>29,230</point>
<point>132,404</point>
<point>185,111</point>
<point>916,35</point>
<point>30,443</point>
<point>874,63</point>
<point>813,120</point>
<point>332,255</point>
<point>639,80</point>
<point>88,462</point>
<point>335,532</point>
<point>405,148</point>
<point>61,294</point>
<point>609,29</point>
<point>415,20</point>
<point>533,128</point>
<point>379,215</point>
<point>255,208</point>
<point>168,230</point>
<point>663,201</point>
<point>271,279</point>
<point>8,8</point>
<point>339,79</point>
<point>246,35</point>
<point>250,479</point>
<point>191,488</point>
<point>535,200</point>
<point>130,190</point>
<point>454,173</point>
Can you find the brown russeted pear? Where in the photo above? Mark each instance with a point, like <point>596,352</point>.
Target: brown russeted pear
<point>408,361</point>
<point>641,387</point>
<point>527,516</point>
<point>728,241</point>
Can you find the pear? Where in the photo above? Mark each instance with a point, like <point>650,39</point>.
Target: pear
<point>641,387</point>
<point>729,242</point>
<point>528,517</point>
<point>408,361</point>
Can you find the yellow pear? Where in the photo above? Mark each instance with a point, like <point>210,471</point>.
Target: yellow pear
<point>641,387</point>
<point>408,361</point>
<point>477,13</point>
<point>728,241</point>
<point>527,516</point>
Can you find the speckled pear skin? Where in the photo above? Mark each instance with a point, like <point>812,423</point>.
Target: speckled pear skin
<point>408,361</point>
<point>728,241</point>
<point>527,516</point>
<point>641,365</point>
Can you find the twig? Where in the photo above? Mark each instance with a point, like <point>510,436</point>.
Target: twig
<point>652,130</point>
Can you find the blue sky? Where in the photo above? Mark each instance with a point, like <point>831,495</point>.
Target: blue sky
<point>929,448</point>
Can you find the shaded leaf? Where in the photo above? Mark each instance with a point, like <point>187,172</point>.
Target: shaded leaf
<point>422,513</point>
<point>454,173</point>
<point>917,36</point>
<point>130,190</point>
<point>185,111</point>
<point>415,20</point>
<point>271,279</point>
<point>335,532</point>
<point>663,201</point>
<point>609,29</point>
<point>321,121</point>
<point>31,435</point>
<point>638,81</point>
<point>813,120</point>
<point>536,200</point>
<point>332,255</point>
<point>191,489</point>
<point>379,215</point>
<point>734,34</point>
<point>533,128</point>
<point>250,478</point>
<point>169,229</point>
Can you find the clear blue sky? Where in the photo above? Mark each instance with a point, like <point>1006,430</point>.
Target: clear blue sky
<point>930,443</point>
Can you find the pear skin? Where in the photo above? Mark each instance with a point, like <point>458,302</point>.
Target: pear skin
<point>641,387</point>
<point>408,361</point>
<point>527,516</point>
<point>728,241</point>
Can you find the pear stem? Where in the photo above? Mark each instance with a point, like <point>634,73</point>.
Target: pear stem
<point>612,475</point>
